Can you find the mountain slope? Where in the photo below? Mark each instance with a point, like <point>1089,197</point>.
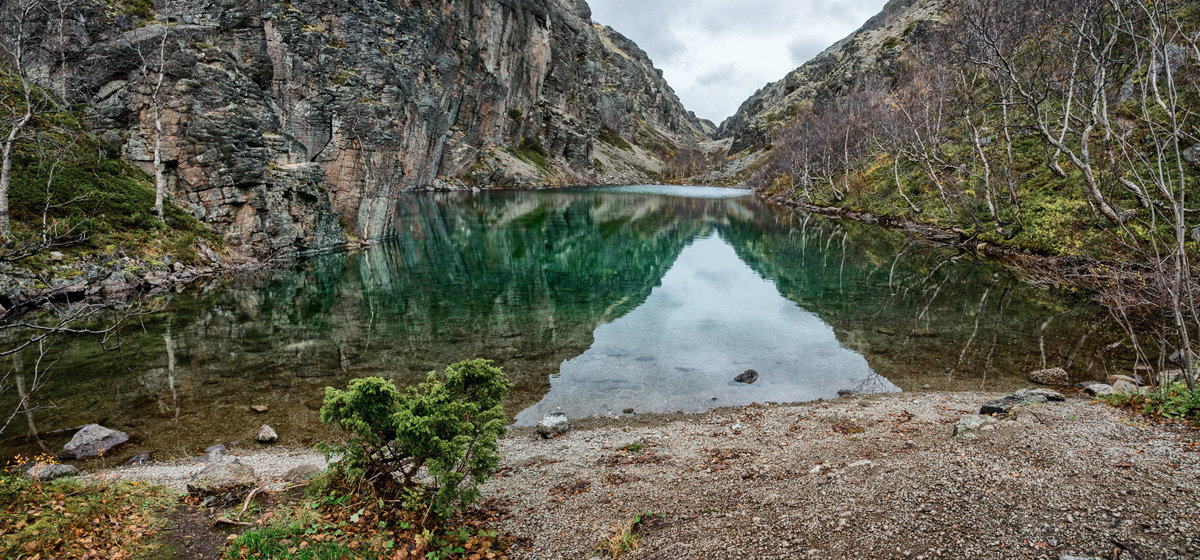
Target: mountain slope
<point>874,51</point>
<point>287,125</point>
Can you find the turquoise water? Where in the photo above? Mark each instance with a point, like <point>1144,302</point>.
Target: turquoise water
<point>594,301</point>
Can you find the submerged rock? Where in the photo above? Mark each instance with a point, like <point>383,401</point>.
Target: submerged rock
<point>93,440</point>
<point>553,424</point>
<point>1051,376</point>
<point>747,377</point>
<point>266,435</point>
<point>222,483</point>
<point>48,471</point>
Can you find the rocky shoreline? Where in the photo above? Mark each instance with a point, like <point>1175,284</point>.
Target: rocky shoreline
<point>880,476</point>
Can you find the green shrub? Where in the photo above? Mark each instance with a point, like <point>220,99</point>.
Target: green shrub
<point>436,440</point>
<point>1174,401</point>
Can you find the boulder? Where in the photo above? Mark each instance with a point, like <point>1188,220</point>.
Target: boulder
<point>93,440</point>
<point>747,377</point>
<point>1050,394</point>
<point>1024,397</point>
<point>1096,389</point>
<point>1113,379</point>
<point>1051,376</point>
<point>971,423</point>
<point>266,435</point>
<point>222,483</point>
<point>553,424</point>
<point>302,473</point>
<point>48,471</point>
<point>1123,386</point>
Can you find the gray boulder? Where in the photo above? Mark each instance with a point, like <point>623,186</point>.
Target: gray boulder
<point>47,471</point>
<point>971,423</point>
<point>93,440</point>
<point>553,424</point>
<point>266,435</point>
<point>222,483</point>
<point>1096,389</point>
<point>1051,376</point>
<point>1024,397</point>
<point>1050,394</point>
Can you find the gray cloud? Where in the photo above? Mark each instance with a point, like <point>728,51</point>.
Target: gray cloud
<point>716,53</point>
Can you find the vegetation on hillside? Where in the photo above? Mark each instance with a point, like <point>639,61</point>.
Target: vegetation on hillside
<point>1065,128</point>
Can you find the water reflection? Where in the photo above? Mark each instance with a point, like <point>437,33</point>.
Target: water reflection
<point>571,292</point>
<point>710,319</point>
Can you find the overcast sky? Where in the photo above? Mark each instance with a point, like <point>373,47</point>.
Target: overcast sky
<point>716,53</point>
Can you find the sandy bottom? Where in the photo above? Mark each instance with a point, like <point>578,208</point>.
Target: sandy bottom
<point>859,477</point>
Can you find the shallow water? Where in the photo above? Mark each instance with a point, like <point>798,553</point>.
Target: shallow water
<point>594,301</point>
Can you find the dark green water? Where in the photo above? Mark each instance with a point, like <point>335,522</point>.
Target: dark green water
<point>594,301</point>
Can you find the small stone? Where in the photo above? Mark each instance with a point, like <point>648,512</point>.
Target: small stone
<point>970,423</point>
<point>747,377</point>
<point>553,424</point>
<point>865,463</point>
<point>885,330</point>
<point>927,386</point>
<point>93,440</point>
<point>847,392</point>
<point>628,411</point>
<point>57,256</point>
<point>259,408</point>
<point>47,471</point>
<point>1051,376</point>
<point>266,435</point>
<point>138,460</point>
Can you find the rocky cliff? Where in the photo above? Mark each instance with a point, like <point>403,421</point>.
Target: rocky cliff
<point>288,125</point>
<point>874,51</point>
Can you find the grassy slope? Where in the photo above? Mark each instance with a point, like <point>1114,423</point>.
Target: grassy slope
<point>68,174</point>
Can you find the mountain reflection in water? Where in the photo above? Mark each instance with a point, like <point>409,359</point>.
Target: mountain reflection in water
<point>595,300</point>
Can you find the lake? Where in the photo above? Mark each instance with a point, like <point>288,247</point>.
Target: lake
<point>594,301</point>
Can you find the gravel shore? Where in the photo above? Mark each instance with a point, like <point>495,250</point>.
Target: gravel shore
<point>876,476</point>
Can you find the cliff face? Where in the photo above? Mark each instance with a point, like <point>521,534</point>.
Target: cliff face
<point>287,125</point>
<point>874,51</point>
